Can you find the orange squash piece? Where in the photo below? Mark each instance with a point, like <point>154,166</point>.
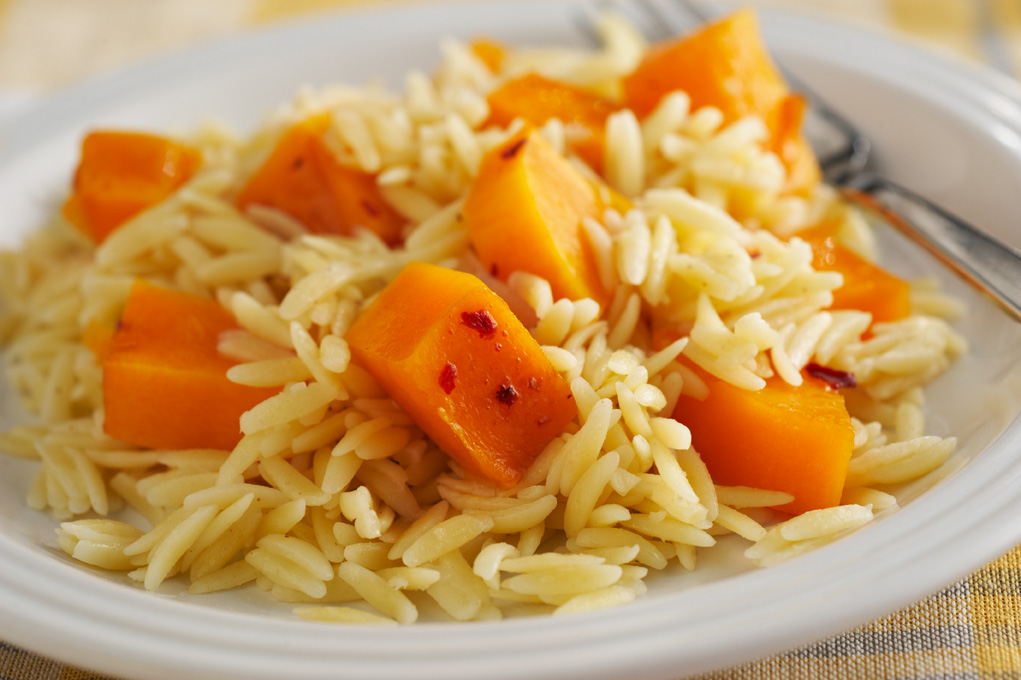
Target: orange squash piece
<point>725,64</point>
<point>120,174</point>
<point>303,179</point>
<point>537,99</point>
<point>454,356</point>
<point>164,383</point>
<point>98,337</point>
<point>790,145</point>
<point>783,438</point>
<point>866,286</point>
<point>524,212</point>
<point>490,52</point>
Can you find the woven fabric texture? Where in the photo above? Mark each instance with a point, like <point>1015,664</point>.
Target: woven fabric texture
<point>969,631</point>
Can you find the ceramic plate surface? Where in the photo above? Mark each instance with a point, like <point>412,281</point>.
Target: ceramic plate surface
<point>948,131</point>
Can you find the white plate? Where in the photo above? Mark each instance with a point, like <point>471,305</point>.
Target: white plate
<point>950,132</point>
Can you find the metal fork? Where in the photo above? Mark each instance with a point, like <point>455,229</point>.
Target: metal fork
<point>986,263</point>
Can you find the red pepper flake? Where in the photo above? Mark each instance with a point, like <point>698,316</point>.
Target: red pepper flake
<point>369,208</point>
<point>482,321</point>
<point>497,346</point>
<point>494,270</point>
<point>506,394</point>
<point>512,150</point>
<point>833,377</point>
<point>447,376</point>
<point>298,163</point>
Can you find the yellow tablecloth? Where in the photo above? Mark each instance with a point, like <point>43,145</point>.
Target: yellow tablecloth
<point>971,630</point>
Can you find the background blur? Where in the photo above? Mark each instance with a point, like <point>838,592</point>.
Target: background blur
<point>50,44</point>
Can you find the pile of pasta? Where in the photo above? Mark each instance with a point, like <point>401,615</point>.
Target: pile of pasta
<point>504,342</point>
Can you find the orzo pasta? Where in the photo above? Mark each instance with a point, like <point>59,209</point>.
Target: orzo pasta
<point>221,348</point>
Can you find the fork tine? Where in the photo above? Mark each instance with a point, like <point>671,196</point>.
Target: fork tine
<point>646,17</point>
<point>665,25</point>
<point>583,22</point>
<point>700,15</point>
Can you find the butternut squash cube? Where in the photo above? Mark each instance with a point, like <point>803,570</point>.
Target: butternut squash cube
<point>454,356</point>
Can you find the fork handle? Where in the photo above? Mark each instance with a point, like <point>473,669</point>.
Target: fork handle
<point>990,265</point>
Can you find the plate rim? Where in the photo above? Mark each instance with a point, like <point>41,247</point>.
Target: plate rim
<point>586,629</point>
